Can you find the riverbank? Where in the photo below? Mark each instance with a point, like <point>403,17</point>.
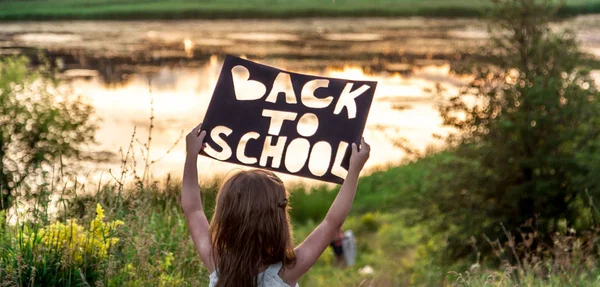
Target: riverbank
<point>255,9</point>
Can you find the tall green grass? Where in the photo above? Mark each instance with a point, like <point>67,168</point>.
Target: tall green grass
<point>102,239</point>
<point>152,246</point>
<point>185,9</point>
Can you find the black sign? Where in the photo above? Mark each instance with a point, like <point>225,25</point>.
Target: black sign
<point>292,123</point>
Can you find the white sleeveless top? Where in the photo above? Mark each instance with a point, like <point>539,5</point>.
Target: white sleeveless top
<point>268,278</point>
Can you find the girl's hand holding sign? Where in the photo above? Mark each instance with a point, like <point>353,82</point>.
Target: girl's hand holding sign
<point>194,141</point>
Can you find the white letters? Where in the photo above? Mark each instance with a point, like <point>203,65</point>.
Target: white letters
<point>282,84</point>
<point>307,129</point>
<point>277,118</point>
<point>246,89</point>
<point>215,136</point>
<point>297,149</point>
<point>307,153</point>
<point>320,157</point>
<point>308,94</point>
<point>241,156</point>
<point>337,168</point>
<point>275,151</point>
<point>347,100</point>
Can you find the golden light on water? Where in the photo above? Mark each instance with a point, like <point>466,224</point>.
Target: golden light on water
<point>188,47</point>
<point>403,107</point>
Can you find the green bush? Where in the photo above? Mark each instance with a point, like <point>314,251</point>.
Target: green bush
<point>38,126</point>
<point>369,222</point>
<point>310,205</point>
<point>530,147</point>
<point>59,254</point>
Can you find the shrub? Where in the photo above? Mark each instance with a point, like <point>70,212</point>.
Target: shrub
<point>369,222</point>
<point>58,254</point>
<point>527,142</point>
<point>39,125</point>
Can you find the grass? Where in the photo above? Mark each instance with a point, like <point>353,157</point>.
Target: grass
<point>227,9</point>
<point>153,246</point>
<point>154,232</point>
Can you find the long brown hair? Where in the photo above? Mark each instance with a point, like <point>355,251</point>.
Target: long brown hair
<point>250,228</point>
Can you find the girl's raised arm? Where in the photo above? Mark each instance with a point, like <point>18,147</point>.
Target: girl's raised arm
<point>309,251</point>
<point>191,200</point>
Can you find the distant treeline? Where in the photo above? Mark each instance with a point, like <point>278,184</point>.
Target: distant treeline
<point>235,9</point>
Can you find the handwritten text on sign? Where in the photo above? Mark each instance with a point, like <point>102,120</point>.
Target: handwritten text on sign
<point>292,123</point>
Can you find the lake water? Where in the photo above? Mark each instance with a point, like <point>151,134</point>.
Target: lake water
<point>115,65</point>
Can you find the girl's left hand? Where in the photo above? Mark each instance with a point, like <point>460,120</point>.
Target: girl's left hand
<point>359,157</point>
<point>194,141</point>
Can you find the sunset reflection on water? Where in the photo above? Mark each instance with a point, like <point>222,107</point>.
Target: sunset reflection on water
<point>403,108</point>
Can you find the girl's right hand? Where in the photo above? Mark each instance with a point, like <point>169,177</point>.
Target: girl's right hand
<point>194,141</point>
<point>359,157</point>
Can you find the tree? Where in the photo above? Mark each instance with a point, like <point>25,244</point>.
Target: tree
<point>527,144</point>
<point>38,125</point>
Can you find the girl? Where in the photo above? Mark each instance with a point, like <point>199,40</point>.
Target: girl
<point>249,240</point>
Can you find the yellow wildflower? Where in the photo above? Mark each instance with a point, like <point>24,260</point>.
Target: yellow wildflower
<point>168,261</point>
<point>99,212</point>
<point>74,241</point>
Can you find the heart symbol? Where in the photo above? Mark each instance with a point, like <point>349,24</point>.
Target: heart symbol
<point>246,89</point>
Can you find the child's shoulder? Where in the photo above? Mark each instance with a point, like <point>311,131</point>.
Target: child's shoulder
<point>268,278</point>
